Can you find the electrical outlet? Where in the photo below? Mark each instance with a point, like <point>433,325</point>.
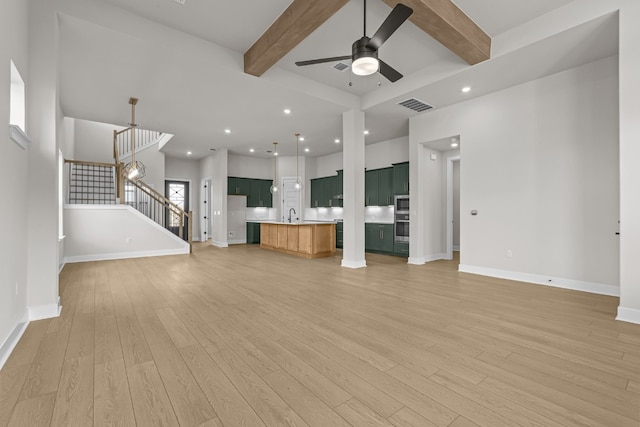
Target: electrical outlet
<point>509,253</point>
<point>128,240</point>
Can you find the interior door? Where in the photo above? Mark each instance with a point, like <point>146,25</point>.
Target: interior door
<point>291,201</point>
<point>178,193</point>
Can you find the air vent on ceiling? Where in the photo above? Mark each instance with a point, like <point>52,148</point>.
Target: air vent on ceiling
<point>180,1</point>
<point>341,66</point>
<point>415,105</point>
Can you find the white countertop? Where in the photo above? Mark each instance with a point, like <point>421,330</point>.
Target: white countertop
<point>295,223</point>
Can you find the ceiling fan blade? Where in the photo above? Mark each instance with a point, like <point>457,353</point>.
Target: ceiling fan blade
<point>389,72</point>
<point>398,15</point>
<point>320,61</point>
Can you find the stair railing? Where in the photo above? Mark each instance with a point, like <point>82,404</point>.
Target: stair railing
<point>123,140</point>
<point>91,183</point>
<point>156,206</point>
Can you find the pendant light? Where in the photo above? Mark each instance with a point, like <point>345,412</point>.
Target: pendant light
<point>134,170</point>
<point>274,185</point>
<point>298,185</point>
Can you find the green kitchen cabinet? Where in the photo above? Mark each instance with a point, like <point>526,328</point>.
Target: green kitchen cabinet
<point>371,188</point>
<point>258,191</point>
<point>232,185</point>
<point>244,188</point>
<point>401,248</point>
<point>266,198</point>
<point>378,238</point>
<point>385,187</point>
<point>378,187</point>
<point>330,191</point>
<point>260,195</point>
<point>401,179</point>
<point>253,232</point>
<point>323,192</point>
<point>315,192</point>
<point>339,189</point>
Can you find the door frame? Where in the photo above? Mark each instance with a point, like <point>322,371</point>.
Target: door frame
<point>205,208</point>
<point>449,216</point>
<point>188,193</point>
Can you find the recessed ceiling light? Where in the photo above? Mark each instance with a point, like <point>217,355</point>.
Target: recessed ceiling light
<point>227,131</point>
<point>189,153</point>
<point>302,138</point>
<point>454,144</point>
<point>466,89</point>
<point>251,150</point>
<point>275,154</point>
<point>337,140</point>
<point>287,111</point>
<point>306,150</point>
<point>366,132</point>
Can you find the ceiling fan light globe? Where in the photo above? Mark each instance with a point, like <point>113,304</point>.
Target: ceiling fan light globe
<point>365,65</point>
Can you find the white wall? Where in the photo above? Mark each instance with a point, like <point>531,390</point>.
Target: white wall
<point>91,237</point>
<point>541,168</point>
<point>154,162</point>
<point>379,155</point>
<point>187,170</point>
<point>384,154</point>
<point>250,167</point>
<point>215,167</point>
<point>94,140</point>
<point>13,170</point>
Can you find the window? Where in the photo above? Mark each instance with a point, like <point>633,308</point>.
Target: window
<point>17,104</point>
<point>17,109</point>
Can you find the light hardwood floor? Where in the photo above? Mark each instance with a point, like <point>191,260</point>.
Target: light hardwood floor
<point>248,337</point>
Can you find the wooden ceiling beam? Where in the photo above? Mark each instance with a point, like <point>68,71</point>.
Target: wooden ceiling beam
<point>300,19</point>
<point>448,24</point>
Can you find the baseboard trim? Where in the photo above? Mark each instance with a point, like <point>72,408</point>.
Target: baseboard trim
<point>46,311</point>
<point>556,282</point>
<point>630,315</point>
<point>237,242</point>
<point>425,259</point>
<point>124,255</point>
<point>219,244</point>
<point>12,340</point>
<point>353,264</point>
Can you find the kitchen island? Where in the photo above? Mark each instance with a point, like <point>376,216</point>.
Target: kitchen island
<point>306,239</point>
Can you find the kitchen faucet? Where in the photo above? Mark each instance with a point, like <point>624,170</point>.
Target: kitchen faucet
<point>294,211</point>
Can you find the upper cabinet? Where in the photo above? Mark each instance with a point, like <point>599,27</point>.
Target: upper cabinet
<point>324,192</point>
<point>401,179</point>
<point>258,191</point>
<point>378,187</point>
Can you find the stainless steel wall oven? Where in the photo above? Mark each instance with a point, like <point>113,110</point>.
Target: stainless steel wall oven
<point>401,219</point>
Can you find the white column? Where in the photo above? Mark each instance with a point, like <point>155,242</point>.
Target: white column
<point>43,118</point>
<point>629,308</point>
<point>353,189</point>
<point>219,203</point>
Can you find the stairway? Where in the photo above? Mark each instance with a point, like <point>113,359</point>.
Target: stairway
<point>92,184</point>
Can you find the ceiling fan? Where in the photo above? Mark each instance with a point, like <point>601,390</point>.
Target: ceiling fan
<point>364,51</point>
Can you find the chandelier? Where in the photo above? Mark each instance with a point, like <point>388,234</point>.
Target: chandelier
<point>135,169</point>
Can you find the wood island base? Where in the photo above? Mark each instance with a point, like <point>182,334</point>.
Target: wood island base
<point>308,240</point>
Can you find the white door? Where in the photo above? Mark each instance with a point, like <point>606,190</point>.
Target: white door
<point>291,201</point>
<point>205,209</point>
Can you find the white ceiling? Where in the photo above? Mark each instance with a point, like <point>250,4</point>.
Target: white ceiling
<point>196,94</point>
